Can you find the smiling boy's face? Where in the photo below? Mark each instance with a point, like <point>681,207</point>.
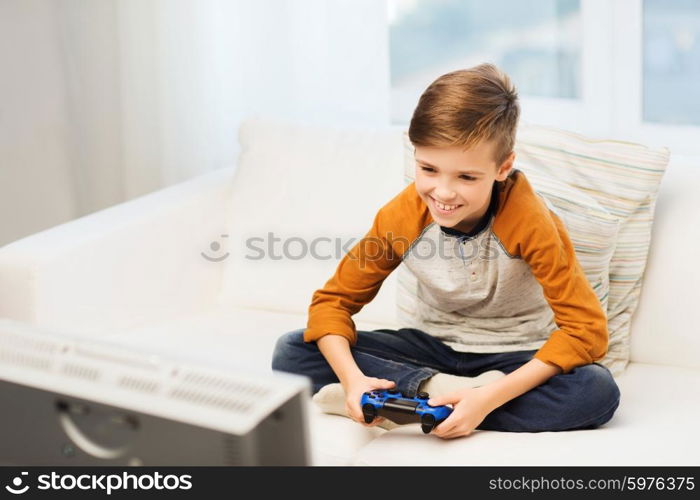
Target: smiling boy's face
<point>461,180</point>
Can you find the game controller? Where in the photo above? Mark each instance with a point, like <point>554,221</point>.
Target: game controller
<point>394,406</point>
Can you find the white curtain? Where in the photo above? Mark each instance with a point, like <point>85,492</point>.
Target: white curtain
<point>102,101</point>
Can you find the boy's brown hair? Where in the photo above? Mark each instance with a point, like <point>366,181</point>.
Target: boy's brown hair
<point>464,107</point>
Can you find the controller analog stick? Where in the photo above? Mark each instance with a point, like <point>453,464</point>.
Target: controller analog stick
<point>423,395</point>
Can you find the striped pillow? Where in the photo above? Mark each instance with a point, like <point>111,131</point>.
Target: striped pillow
<point>624,179</point>
<point>592,229</point>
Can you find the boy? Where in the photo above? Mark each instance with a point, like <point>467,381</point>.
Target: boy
<point>504,295</point>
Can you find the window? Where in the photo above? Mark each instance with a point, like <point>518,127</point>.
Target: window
<point>628,69</point>
<point>671,85</point>
<point>537,43</point>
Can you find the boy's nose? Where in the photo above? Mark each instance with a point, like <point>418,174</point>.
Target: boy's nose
<point>445,196</point>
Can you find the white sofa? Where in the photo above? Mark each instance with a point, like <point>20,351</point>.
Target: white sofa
<point>170,272</point>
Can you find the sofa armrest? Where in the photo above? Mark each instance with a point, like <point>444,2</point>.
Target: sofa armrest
<point>138,261</point>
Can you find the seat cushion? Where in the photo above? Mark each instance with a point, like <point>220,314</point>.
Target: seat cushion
<point>232,336</point>
<point>654,425</point>
<point>336,440</point>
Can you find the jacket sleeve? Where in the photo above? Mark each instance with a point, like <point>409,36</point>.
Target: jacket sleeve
<point>356,281</point>
<point>582,337</point>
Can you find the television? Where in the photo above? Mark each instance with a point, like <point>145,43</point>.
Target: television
<point>69,400</point>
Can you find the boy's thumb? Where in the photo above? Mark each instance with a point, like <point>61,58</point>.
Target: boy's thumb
<point>438,401</point>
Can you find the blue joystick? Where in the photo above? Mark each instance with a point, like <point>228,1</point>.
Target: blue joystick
<point>394,406</point>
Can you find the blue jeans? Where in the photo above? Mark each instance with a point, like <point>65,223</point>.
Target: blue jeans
<point>584,398</point>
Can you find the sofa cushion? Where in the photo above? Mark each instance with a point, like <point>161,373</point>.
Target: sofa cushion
<point>654,425</point>
<point>316,189</point>
<point>337,440</point>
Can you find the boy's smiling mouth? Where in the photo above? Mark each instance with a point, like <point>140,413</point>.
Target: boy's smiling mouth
<point>443,208</point>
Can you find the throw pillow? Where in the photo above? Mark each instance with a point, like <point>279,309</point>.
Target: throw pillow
<point>623,178</point>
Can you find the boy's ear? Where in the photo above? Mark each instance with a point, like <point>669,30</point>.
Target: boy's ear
<point>506,167</point>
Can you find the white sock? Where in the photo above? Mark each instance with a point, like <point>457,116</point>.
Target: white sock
<point>331,399</point>
<point>443,383</point>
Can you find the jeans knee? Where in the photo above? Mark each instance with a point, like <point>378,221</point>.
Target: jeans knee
<point>603,394</point>
<point>604,384</point>
<point>283,352</point>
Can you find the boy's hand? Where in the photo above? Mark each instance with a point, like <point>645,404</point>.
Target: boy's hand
<point>471,405</point>
<point>353,394</point>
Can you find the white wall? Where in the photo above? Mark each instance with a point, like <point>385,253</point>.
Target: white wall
<point>104,101</point>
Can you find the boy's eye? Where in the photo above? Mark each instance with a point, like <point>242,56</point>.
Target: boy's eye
<point>465,177</point>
